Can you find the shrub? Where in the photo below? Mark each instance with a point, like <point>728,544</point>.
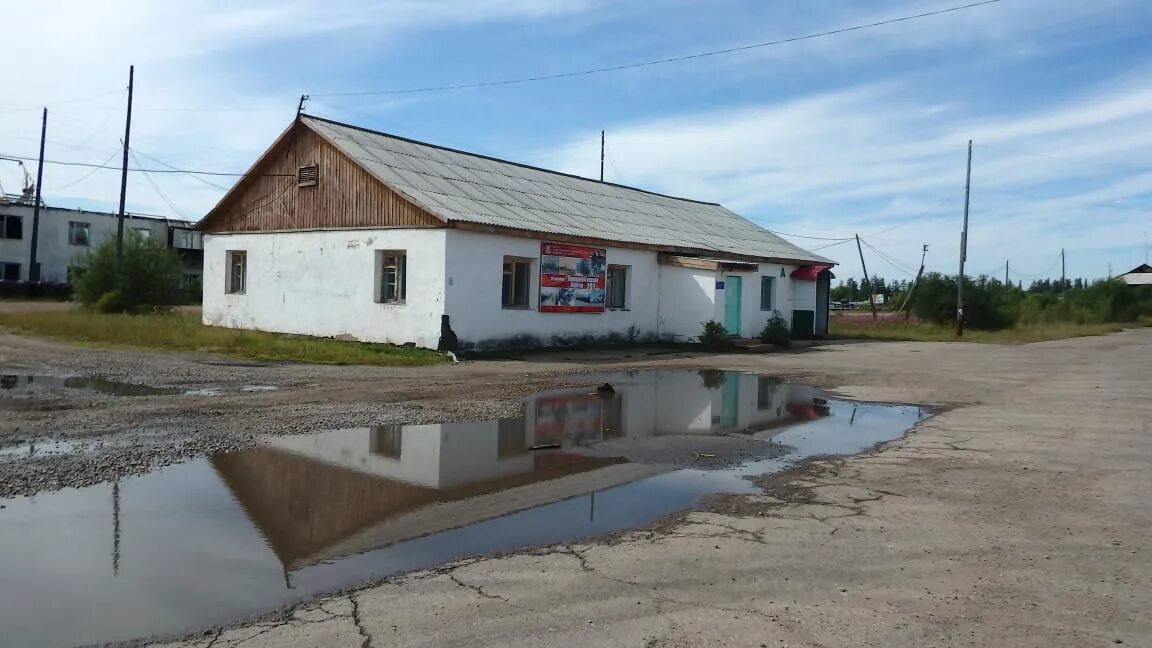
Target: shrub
<point>776,331</point>
<point>150,276</point>
<point>715,337</point>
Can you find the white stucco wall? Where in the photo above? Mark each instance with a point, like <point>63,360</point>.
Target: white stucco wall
<point>323,283</point>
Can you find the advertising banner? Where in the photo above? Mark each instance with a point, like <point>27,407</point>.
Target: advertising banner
<point>572,278</point>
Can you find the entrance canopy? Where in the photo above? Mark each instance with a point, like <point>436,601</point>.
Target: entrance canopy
<point>809,272</point>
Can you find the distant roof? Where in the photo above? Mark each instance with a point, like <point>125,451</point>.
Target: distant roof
<point>9,200</point>
<point>466,187</point>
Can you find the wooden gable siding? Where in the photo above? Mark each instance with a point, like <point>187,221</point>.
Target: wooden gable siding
<point>346,196</point>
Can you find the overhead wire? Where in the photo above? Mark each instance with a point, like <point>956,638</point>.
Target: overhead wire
<point>899,266</point>
<point>87,175</point>
<point>156,188</point>
<point>196,177</point>
<point>173,170</point>
<point>674,59</point>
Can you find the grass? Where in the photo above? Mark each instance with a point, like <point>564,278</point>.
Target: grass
<point>887,329</point>
<point>181,331</point>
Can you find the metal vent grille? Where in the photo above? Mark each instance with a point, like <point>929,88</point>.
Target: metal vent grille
<point>308,176</point>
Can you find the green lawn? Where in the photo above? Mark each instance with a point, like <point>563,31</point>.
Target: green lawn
<point>182,331</point>
<point>887,329</point>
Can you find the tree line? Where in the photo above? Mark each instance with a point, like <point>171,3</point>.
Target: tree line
<point>990,304</point>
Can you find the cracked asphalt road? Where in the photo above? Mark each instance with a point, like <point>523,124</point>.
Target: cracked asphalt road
<point>1018,516</point>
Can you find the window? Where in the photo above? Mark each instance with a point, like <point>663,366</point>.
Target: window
<point>12,227</point>
<point>308,176</point>
<point>387,441</point>
<point>517,277</point>
<point>617,287</point>
<point>237,271</point>
<point>11,271</point>
<point>78,233</point>
<point>767,290</point>
<point>391,277</point>
<point>144,232</point>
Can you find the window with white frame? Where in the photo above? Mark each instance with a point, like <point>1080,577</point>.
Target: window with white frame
<point>767,293</point>
<point>391,276</point>
<point>517,279</point>
<point>78,233</point>
<point>237,272</point>
<point>617,298</point>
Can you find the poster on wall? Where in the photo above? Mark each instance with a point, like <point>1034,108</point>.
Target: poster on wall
<point>572,278</point>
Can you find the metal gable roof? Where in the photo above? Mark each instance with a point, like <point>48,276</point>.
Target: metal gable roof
<point>470,188</point>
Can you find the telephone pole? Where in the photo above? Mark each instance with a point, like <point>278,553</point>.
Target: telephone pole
<point>1063,276</point>
<point>871,292</point>
<point>1006,266</point>
<point>963,249</point>
<point>602,156</point>
<point>124,177</point>
<point>912,290</point>
<point>33,266</point>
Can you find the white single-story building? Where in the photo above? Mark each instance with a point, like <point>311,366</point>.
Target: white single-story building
<point>338,231</point>
<point>1141,275</point>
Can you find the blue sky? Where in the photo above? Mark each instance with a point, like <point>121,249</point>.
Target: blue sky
<point>863,132</point>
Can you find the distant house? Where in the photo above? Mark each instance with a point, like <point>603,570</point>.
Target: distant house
<point>1141,275</point>
<point>65,234</point>
<point>346,232</point>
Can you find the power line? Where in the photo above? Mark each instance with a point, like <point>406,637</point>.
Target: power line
<point>900,267</point>
<point>676,59</point>
<point>825,247</point>
<point>86,175</point>
<point>1020,275</point>
<point>814,238</point>
<point>196,177</point>
<point>187,171</point>
<point>160,193</point>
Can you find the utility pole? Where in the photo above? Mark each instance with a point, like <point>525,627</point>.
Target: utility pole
<point>912,290</point>
<point>601,156</point>
<point>1063,276</point>
<point>871,292</point>
<point>300,106</point>
<point>963,249</point>
<point>124,177</point>
<point>33,266</point>
<point>1006,266</point>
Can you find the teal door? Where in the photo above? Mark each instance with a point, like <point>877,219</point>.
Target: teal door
<point>732,293</point>
<point>730,403</point>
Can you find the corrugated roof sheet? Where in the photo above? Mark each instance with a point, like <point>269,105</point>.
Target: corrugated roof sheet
<point>466,187</point>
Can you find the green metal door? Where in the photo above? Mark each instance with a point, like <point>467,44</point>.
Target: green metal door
<point>732,294</point>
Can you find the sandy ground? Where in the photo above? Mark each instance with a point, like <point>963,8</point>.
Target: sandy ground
<point>1017,517</point>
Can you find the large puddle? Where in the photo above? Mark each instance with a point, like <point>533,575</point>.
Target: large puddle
<point>212,541</point>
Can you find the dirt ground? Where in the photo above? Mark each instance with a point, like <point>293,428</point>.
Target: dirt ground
<point>1018,516</point>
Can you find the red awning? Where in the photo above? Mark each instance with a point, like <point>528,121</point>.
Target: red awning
<point>808,273</point>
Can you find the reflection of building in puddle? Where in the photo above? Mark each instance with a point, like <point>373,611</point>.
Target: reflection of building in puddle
<point>648,404</point>
<point>337,493</point>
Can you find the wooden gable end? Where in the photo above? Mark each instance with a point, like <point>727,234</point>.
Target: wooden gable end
<point>344,195</point>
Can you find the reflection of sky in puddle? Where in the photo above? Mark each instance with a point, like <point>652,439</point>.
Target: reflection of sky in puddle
<point>37,448</point>
<point>214,540</point>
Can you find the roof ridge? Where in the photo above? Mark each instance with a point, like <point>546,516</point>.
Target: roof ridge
<point>504,161</point>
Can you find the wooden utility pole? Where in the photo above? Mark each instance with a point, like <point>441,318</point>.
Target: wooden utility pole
<point>124,177</point>
<point>963,249</point>
<point>602,156</point>
<point>871,292</point>
<point>912,290</point>
<point>1063,276</point>
<point>1006,271</point>
<point>300,106</point>
<point>33,266</point>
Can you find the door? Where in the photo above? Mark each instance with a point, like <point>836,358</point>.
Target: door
<point>823,302</point>
<point>732,296</point>
<point>730,403</point>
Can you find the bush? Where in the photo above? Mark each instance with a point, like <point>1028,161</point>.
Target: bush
<point>150,276</point>
<point>776,331</point>
<point>715,337</point>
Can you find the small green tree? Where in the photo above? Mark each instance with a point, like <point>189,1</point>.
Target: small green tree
<point>776,331</point>
<point>715,337</point>
<point>150,276</point>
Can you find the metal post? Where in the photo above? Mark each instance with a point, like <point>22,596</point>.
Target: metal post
<point>963,249</point>
<point>1006,271</point>
<point>33,265</point>
<point>871,292</point>
<point>1063,276</point>
<point>124,177</point>
<point>601,156</point>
